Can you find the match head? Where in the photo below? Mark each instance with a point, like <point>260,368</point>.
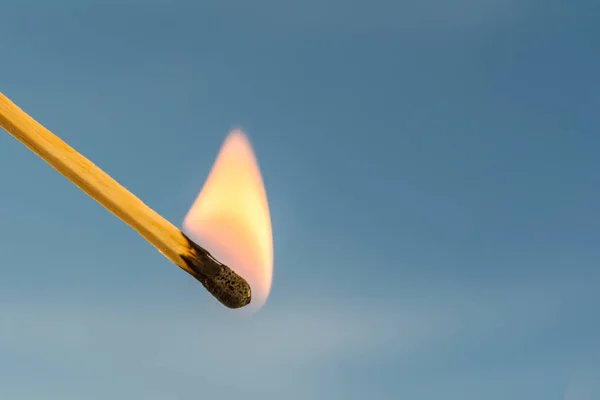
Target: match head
<point>229,288</point>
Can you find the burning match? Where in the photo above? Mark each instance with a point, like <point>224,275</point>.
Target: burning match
<point>221,281</point>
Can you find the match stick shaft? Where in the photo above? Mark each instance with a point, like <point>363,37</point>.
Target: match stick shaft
<point>163,235</point>
<point>92,180</point>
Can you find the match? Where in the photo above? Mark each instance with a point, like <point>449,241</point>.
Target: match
<point>223,283</point>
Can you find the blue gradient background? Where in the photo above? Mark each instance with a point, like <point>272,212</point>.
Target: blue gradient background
<point>433,175</point>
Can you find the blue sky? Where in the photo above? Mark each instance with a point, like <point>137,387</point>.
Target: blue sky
<point>433,176</point>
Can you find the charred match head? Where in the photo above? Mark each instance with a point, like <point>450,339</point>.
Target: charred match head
<point>225,285</point>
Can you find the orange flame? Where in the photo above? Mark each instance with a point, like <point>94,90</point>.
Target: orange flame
<point>230,216</point>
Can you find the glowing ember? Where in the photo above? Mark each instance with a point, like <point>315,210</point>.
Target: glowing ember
<point>230,217</point>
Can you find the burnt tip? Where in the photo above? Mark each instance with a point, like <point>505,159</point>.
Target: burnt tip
<point>222,282</point>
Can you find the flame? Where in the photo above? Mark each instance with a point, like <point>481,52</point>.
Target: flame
<point>230,216</point>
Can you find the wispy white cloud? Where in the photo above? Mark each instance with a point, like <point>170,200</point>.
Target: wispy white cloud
<point>300,335</point>
<point>275,351</point>
<point>309,334</point>
<point>585,385</point>
<point>287,347</point>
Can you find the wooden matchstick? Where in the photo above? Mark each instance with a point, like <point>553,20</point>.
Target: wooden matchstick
<point>229,288</point>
